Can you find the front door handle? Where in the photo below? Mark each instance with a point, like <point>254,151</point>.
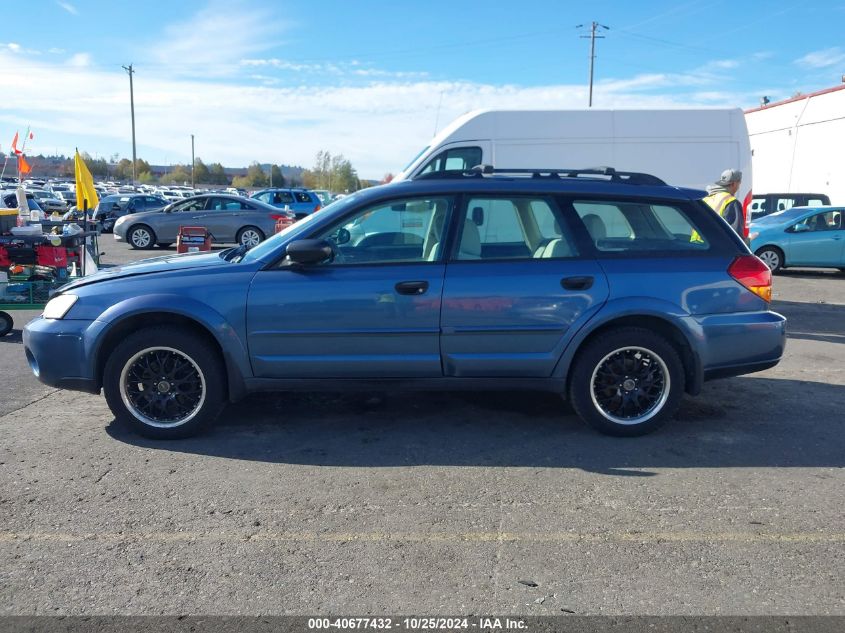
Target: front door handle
<point>411,287</point>
<point>577,283</point>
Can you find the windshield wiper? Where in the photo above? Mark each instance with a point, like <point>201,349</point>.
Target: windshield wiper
<point>230,254</point>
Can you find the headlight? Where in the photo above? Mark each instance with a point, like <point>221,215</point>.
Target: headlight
<point>121,220</point>
<point>753,236</point>
<point>58,306</point>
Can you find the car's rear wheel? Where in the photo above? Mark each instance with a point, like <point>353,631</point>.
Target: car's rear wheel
<point>250,236</point>
<point>6,323</point>
<point>141,237</point>
<point>627,382</point>
<point>772,257</point>
<point>165,382</point>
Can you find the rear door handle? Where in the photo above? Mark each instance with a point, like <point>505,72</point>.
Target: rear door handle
<point>577,283</point>
<point>411,287</point>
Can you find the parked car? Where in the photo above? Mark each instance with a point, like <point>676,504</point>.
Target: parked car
<point>323,195</point>
<point>49,202</point>
<point>800,236</point>
<point>111,208</point>
<point>301,201</point>
<point>10,201</point>
<point>763,205</point>
<point>228,218</point>
<point>589,288</point>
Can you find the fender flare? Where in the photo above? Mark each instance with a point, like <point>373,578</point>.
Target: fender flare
<point>235,356</point>
<point>631,307</point>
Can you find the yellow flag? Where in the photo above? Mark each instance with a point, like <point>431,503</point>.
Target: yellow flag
<point>85,191</point>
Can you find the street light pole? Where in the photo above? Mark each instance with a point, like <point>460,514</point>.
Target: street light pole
<point>131,72</point>
<point>193,161</point>
<point>593,37</point>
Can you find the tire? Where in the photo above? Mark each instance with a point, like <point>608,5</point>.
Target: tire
<point>615,410</point>
<point>772,256</point>
<point>148,355</point>
<point>250,236</point>
<point>6,323</point>
<point>141,237</point>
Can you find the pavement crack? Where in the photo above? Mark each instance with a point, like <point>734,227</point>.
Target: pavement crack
<point>36,401</point>
<point>100,478</point>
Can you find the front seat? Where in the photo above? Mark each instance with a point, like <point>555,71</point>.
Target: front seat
<point>470,241</point>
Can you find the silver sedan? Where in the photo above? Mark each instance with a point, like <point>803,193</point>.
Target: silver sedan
<point>229,219</point>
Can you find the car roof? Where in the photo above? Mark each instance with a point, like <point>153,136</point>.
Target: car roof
<point>552,186</point>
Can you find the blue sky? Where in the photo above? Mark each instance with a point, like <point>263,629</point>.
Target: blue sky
<point>279,81</point>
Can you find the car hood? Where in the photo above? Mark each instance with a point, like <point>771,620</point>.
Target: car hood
<point>168,263</point>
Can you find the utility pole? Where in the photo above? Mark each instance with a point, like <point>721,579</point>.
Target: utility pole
<point>193,161</point>
<point>131,72</point>
<point>593,37</point>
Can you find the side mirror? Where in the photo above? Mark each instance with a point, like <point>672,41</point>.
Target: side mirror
<point>307,252</point>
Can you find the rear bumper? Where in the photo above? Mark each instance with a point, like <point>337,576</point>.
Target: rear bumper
<point>60,352</point>
<point>741,343</point>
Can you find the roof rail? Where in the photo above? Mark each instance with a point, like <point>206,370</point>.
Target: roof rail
<point>608,174</point>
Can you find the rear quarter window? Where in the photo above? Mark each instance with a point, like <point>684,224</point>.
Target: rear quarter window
<point>641,226</point>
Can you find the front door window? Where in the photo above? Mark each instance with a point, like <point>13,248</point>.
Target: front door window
<point>404,231</point>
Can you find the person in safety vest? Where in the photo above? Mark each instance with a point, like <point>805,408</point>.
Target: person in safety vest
<point>721,198</point>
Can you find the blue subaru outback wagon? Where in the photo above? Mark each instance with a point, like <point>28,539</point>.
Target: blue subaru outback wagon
<point>612,289</point>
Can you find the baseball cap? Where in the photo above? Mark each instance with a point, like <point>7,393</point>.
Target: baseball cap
<point>729,176</point>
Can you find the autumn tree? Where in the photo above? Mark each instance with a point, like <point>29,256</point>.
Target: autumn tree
<point>201,172</point>
<point>217,175</point>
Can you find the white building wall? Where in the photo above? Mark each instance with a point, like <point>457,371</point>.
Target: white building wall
<point>799,146</point>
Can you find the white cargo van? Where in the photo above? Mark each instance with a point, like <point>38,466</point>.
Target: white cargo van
<point>687,148</point>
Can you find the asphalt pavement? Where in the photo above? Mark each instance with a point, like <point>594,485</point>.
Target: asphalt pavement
<point>447,503</point>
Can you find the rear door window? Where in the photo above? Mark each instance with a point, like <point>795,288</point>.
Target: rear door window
<point>513,228</point>
<point>301,196</point>
<point>639,226</point>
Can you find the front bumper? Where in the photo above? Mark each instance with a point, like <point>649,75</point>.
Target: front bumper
<point>60,352</point>
<point>741,343</point>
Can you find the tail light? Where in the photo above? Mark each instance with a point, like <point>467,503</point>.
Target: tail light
<point>752,273</point>
<point>745,204</point>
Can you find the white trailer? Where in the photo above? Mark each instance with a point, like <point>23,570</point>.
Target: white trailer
<point>684,147</point>
<point>797,144</point>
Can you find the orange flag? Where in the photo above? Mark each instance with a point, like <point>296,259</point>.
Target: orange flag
<point>15,145</point>
<point>23,166</point>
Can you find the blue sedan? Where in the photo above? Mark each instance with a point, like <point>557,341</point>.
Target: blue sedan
<point>800,236</point>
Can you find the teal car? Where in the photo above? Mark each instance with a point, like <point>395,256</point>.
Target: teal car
<point>800,236</point>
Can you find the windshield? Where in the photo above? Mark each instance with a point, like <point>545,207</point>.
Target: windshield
<point>414,159</point>
<point>272,243</point>
<point>782,216</point>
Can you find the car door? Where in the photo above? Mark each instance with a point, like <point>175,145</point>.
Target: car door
<point>220,217</point>
<point>371,312</point>
<point>166,225</point>
<point>816,241</point>
<point>515,285</point>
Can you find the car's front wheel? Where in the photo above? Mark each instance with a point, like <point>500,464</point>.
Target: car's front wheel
<point>165,382</point>
<point>141,237</point>
<point>627,382</point>
<point>250,236</point>
<point>6,323</point>
<point>772,257</point>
